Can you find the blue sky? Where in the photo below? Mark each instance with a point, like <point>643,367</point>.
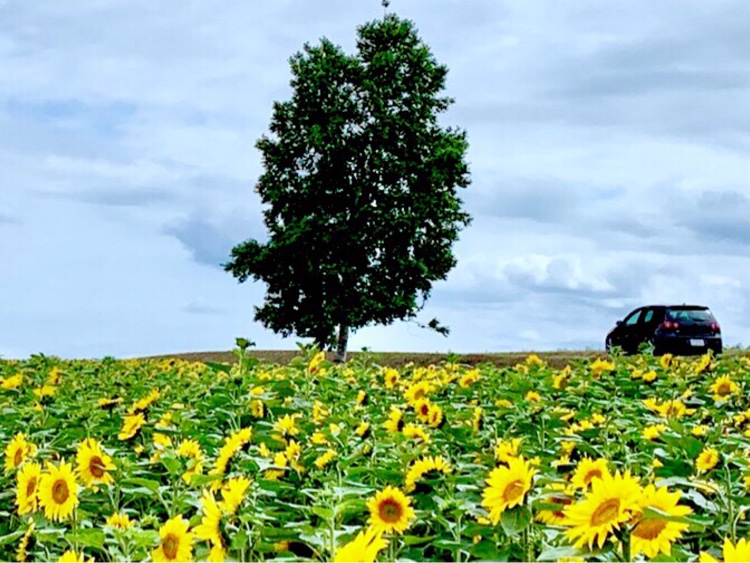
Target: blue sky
<point>608,148</point>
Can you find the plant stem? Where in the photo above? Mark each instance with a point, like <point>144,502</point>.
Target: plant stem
<point>730,505</point>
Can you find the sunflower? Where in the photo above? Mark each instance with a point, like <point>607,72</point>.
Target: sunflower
<point>363,430</point>
<point>469,378</point>
<point>707,460</point>
<point>477,422</point>
<point>555,516</point>
<point>533,397</point>
<point>723,387</point>
<point>418,391</point>
<point>257,408</point>
<point>561,379</point>
<point>17,451</point>
<point>587,470</point>
<point>280,461</point>
<point>144,403</point>
<point>666,360</point>
<point>108,404</point>
<point>611,501</point>
<point>364,548</point>
<point>93,465</point>
<point>314,364</point>
<point>293,452</point>
<point>733,553</point>
<point>362,398</point>
<point>599,367</point>
<point>131,426</point>
<point>702,364</point>
<point>395,421</point>
<point>23,545</point>
<point>218,554</point>
<point>699,430</point>
<point>191,450</point>
<point>176,541</point>
<point>12,382</point>
<point>507,450</point>
<point>319,439</point>
<point>27,487</point>
<point>653,535</point>
<point>286,425</point>
<point>435,416</point>
<point>507,487</point>
<point>674,409</point>
<point>71,556</point>
<point>422,467</point>
<point>416,432</point>
<point>390,511</point>
<point>120,521</point>
<point>319,413</point>
<point>390,377</point>
<point>233,493</point>
<point>422,409</point>
<point>324,459</point>
<point>57,491</point>
<point>232,444</point>
<point>45,391</point>
<point>654,431</point>
<point>208,529</point>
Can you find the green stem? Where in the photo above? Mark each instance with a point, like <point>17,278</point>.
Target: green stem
<point>730,505</point>
<point>626,546</point>
<point>457,537</point>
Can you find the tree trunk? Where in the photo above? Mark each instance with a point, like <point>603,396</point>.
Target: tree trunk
<point>341,344</point>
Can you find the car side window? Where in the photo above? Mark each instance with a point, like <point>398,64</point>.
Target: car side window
<point>632,319</point>
<point>649,316</point>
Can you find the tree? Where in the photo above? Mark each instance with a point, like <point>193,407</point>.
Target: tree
<point>360,189</point>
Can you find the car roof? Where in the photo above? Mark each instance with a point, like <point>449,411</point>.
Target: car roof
<point>681,306</point>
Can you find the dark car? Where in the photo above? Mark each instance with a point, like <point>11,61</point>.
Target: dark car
<point>674,329</point>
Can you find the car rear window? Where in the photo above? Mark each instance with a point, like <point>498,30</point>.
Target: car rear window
<point>690,315</point>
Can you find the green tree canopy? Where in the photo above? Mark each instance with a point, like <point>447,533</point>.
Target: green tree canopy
<point>360,188</point>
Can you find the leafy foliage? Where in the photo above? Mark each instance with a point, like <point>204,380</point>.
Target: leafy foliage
<point>360,186</point>
<point>553,418</point>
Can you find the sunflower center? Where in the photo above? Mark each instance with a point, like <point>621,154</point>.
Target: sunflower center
<point>390,511</point>
<point>170,545</point>
<point>31,487</point>
<point>591,474</point>
<point>650,529</point>
<point>606,512</point>
<point>60,491</point>
<point>96,466</point>
<point>425,409</point>
<point>18,458</point>
<point>513,490</point>
<point>723,389</point>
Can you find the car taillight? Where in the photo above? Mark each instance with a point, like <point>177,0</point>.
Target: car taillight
<point>715,327</point>
<point>669,325</point>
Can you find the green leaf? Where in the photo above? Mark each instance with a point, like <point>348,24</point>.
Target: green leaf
<point>12,537</point>
<point>515,520</point>
<point>145,538</point>
<point>558,553</point>
<point>219,367</point>
<point>88,537</point>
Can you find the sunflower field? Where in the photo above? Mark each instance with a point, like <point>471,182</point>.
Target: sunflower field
<point>615,459</point>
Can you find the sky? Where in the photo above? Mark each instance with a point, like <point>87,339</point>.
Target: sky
<point>609,149</point>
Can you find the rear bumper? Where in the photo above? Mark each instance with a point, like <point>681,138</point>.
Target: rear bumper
<point>687,345</point>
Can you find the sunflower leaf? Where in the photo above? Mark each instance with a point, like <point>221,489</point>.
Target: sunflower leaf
<point>515,520</point>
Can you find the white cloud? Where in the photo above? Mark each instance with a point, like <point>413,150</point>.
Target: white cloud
<point>608,153</point>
